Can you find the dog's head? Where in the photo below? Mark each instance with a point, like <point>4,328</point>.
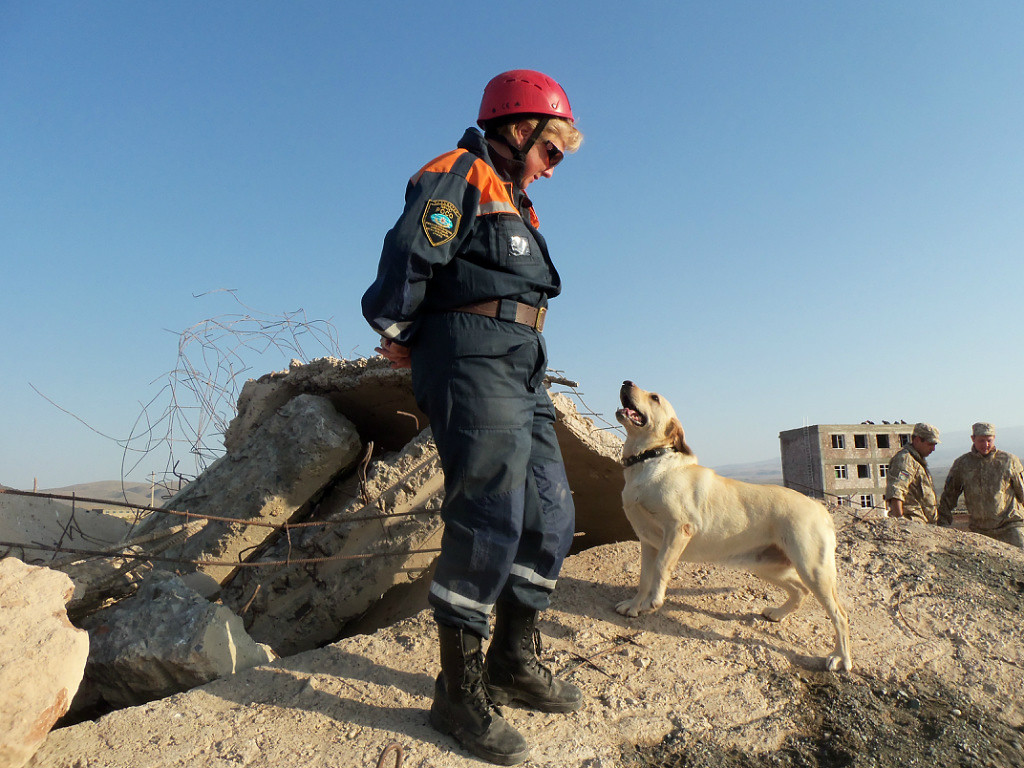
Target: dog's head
<point>650,421</point>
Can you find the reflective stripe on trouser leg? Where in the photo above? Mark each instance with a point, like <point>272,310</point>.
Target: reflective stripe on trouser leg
<point>548,517</point>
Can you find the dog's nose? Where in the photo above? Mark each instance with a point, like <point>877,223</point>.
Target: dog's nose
<point>627,383</point>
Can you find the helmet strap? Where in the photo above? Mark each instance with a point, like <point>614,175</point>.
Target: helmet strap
<point>517,163</point>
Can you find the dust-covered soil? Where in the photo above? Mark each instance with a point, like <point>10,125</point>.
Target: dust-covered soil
<point>938,676</point>
<point>857,722</point>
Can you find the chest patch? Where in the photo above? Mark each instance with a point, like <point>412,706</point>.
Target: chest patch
<point>440,221</point>
<point>518,247</point>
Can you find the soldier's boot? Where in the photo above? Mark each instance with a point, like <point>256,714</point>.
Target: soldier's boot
<point>462,706</point>
<point>514,673</point>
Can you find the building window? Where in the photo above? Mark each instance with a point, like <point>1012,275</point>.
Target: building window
<point>883,471</point>
<point>904,439</point>
<point>838,441</point>
<point>840,470</point>
<point>863,471</point>
<point>866,501</point>
<point>882,441</point>
<point>860,441</point>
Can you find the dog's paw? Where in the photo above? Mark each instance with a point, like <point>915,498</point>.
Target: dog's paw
<point>837,662</point>
<point>628,608</point>
<point>774,613</point>
<point>638,605</point>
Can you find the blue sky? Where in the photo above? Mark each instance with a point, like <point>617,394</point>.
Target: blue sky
<point>782,213</point>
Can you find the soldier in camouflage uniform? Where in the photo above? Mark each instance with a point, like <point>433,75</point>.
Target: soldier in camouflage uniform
<point>992,483</point>
<point>909,490</point>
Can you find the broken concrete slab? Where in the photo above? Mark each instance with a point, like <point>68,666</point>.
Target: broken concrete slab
<point>377,536</point>
<point>592,463</point>
<point>42,657</point>
<point>380,402</point>
<point>291,456</point>
<point>100,581</point>
<point>375,397</point>
<point>165,639</point>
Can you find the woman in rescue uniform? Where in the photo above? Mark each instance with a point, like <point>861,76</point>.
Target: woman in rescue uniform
<point>461,296</point>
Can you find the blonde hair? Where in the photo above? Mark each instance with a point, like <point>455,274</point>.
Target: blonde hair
<point>557,127</point>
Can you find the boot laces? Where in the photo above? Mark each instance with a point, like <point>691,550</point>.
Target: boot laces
<point>534,647</point>
<point>473,688</point>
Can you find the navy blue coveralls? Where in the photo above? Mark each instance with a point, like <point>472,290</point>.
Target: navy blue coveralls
<point>467,236</point>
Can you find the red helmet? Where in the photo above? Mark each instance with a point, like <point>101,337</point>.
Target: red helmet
<point>523,92</point>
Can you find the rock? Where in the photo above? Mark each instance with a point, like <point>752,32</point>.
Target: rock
<point>291,456</point>
<point>42,657</point>
<point>165,639</point>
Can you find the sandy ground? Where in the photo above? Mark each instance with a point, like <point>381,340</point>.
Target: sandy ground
<point>938,655</point>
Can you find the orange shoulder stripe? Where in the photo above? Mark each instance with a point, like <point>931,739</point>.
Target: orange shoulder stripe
<point>440,164</point>
<point>494,194</point>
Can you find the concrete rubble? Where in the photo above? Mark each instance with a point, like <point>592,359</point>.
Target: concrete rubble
<point>165,639</point>
<point>268,479</point>
<point>394,513</point>
<point>336,464</point>
<point>42,657</point>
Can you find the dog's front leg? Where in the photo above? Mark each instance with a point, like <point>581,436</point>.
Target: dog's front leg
<point>675,541</point>
<point>634,607</point>
<point>656,566</point>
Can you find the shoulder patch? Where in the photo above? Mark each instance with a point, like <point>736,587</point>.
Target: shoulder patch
<point>440,220</point>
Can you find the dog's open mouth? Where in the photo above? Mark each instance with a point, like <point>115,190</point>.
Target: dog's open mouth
<point>634,416</point>
<point>629,409</point>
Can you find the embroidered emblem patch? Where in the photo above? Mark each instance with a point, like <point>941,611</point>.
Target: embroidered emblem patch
<point>440,221</point>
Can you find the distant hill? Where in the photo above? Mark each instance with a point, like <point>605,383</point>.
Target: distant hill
<point>767,472</point>
<point>109,490</point>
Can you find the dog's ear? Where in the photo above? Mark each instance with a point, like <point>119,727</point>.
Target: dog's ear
<point>674,432</point>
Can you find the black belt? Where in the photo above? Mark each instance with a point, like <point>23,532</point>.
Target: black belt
<point>525,314</point>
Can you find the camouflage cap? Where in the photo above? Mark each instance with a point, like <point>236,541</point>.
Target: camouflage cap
<point>926,432</point>
<point>982,429</point>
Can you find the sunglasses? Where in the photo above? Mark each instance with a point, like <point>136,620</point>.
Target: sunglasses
<point>555,155</point>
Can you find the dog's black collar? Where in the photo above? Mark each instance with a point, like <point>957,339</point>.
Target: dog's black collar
<point>654,453</point>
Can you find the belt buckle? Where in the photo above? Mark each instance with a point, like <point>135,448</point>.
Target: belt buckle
<point>538,324</point>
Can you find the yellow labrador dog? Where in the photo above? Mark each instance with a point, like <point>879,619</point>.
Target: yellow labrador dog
<point>682,510</point>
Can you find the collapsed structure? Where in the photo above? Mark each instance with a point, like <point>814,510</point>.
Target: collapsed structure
<point>336,466</point>
<point>321,520</point>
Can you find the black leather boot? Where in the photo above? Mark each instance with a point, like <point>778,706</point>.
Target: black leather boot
<point>462,706</point>
<point>514,673</point>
